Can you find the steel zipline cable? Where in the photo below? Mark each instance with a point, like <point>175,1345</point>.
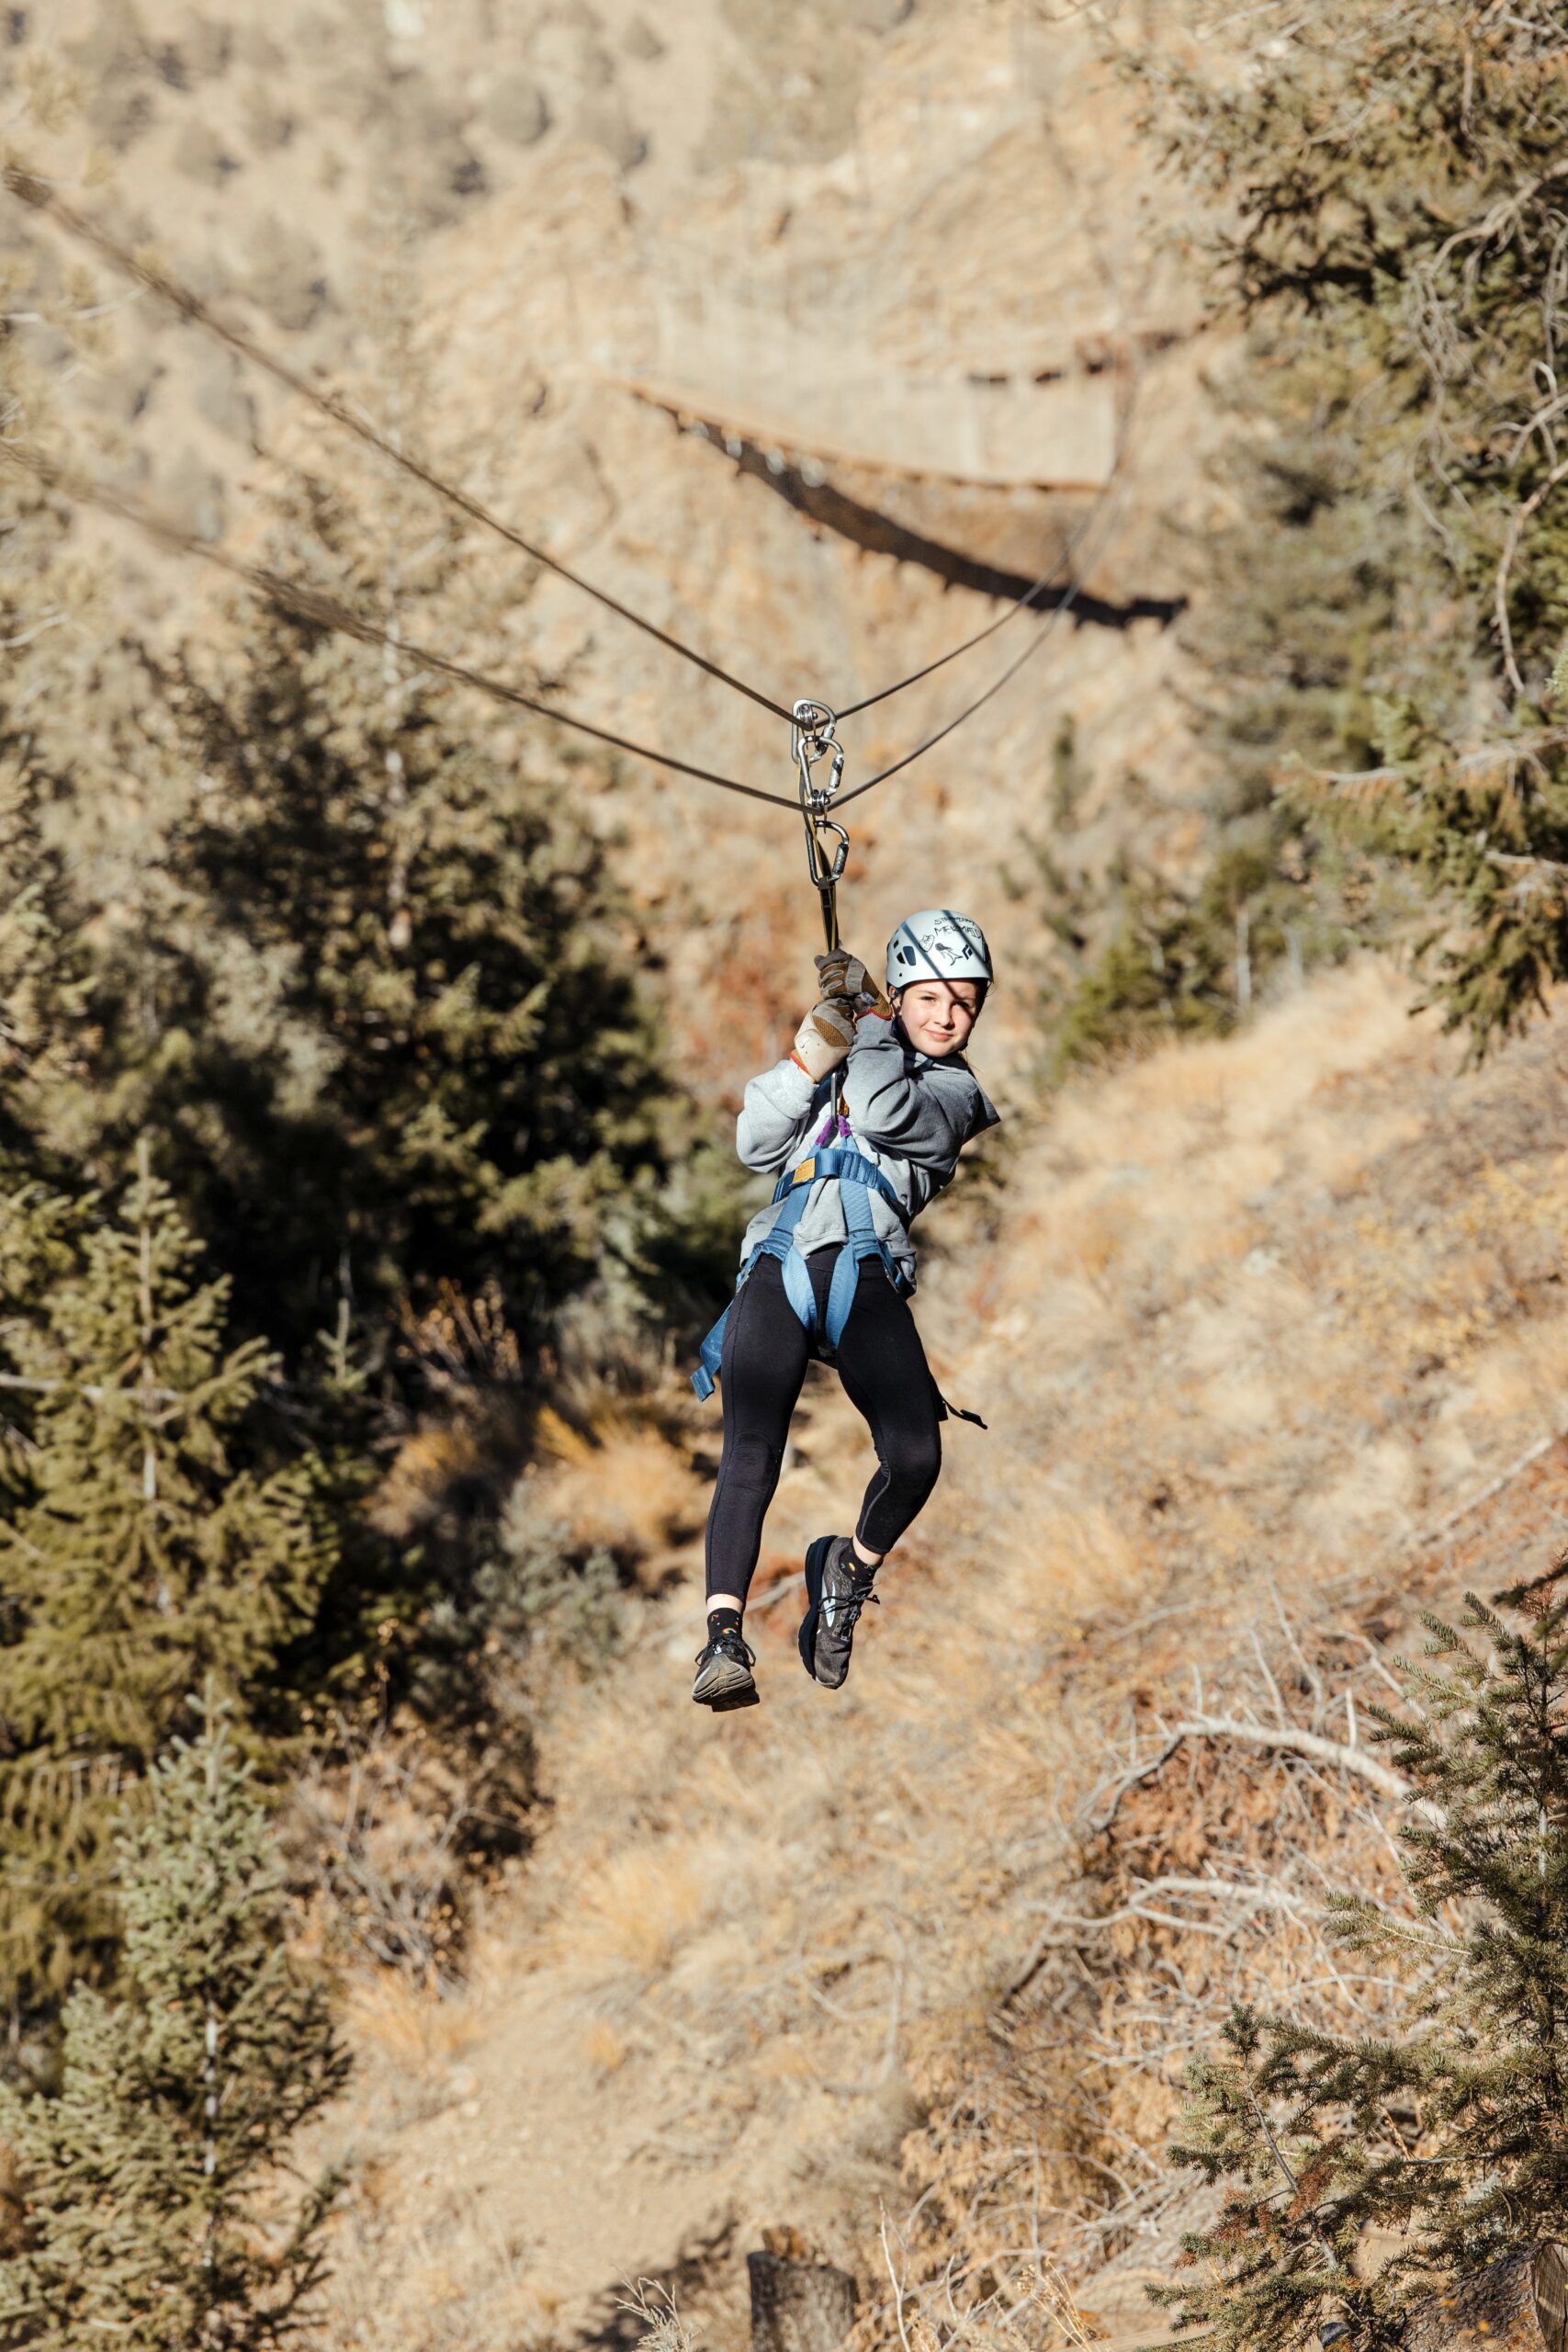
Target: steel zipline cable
<point>327,611</point>
<point>32,189</point>
<point>38,193</point>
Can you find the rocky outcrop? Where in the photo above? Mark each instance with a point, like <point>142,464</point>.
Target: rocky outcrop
<point>798,2303</point>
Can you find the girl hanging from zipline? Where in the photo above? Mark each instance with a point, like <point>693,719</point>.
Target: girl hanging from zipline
<point>829,1265</point>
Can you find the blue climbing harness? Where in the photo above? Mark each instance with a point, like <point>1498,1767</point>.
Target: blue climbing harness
<point>857,1181</point>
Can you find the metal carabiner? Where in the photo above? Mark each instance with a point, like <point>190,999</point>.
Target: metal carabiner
<point>818,796</point>
<point>825,865</point>
<point>823,874</point>
<point>813,740</point>
<point>813,723</point>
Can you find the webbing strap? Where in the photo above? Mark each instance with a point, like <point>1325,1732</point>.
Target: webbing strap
<point>849,1168</point>
<point>856,1178</point>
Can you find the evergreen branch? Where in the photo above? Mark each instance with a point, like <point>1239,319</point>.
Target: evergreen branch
<point>1530,507</point>
<point>96,1392</point>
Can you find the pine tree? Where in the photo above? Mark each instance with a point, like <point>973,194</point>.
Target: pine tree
<point>417,1053</point>
<point>1455,2135</point>
<point>1386,187</point>
<point>153,2205</point>
<point>34,961</point>
<point>1301,595</point>
<point>380,999</point>
<point>137,1553</point>
<point>348,945</point>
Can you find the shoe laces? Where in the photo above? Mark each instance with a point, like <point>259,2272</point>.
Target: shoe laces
<point>732,1646</point>
<point>852,1603</point>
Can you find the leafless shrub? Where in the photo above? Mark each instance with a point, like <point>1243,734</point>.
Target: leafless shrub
<point>1029,2306</point>
<point>378,1839</point>
<point>658,2316</point>
<point>1204,1860</point>
<point>457,1460</point>
<point>463,1342</point>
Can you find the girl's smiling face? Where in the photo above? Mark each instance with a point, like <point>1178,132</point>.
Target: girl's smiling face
<point>937,1015</point>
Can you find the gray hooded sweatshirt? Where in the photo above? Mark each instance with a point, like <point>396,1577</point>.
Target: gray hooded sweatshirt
<point>909,1115</point>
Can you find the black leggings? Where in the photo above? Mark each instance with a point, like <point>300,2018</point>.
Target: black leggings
<point>885,1376</point>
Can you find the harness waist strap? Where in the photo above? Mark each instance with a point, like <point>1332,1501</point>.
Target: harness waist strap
<point>849,1168</point>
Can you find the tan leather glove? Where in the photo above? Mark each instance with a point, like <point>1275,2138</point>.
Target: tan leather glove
<point>842,974</point>
<point>824,1037</point>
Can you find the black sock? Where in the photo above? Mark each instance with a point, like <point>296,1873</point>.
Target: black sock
<point>863,1576</point>
<point>724,1620</point>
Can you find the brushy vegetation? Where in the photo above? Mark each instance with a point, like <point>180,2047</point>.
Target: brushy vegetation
<point>1448,2136</point>
<point>1387,210</point>
<point>1380,201</point>
<point>323,1036</point>
<point>331,1100</point>
<point>152,2207</point>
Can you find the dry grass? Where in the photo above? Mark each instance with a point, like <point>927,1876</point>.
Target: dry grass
<point>1243,1311</point>
<point>420,2034</point>
<point>1257,1315</point>
<point>621,1485</point>
<point>603,2048</point>
<point>633,1913</point>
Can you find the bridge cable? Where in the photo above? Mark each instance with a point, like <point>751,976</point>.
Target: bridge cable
<point>1126,410</point>
<point>326,611</point>
<point>1047,581</point>
<point>1103,515</point>
<point>38,193</point>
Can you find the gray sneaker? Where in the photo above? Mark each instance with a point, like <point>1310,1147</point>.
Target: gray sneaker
<point>834,1601</point>
<point>723,1675</point>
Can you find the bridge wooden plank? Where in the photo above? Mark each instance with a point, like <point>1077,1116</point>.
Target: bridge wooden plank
<point>810,399</point>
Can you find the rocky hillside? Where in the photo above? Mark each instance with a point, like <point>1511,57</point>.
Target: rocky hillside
<point>806,331</point>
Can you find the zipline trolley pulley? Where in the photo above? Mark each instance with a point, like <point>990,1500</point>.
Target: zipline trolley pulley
<point>813,738</point>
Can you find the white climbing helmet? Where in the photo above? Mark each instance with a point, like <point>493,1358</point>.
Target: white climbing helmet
<point>937,944</point>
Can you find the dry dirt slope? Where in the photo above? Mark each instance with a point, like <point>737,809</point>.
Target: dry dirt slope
<point>1251,1321</point>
